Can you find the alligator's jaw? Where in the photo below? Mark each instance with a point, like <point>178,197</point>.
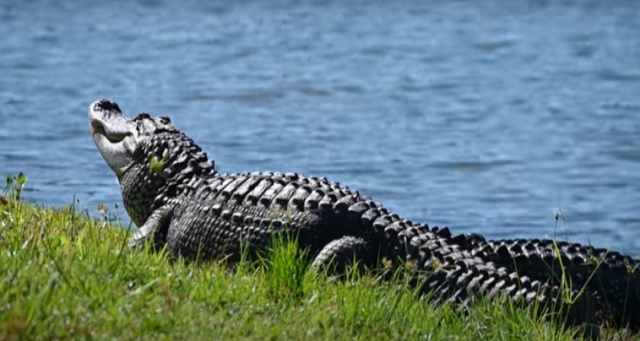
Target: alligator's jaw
<point>112,133</point>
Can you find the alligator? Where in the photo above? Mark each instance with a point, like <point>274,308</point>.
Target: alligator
<point>173,193</point>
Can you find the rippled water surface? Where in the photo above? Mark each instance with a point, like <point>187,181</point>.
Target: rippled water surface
<point>487,116</point>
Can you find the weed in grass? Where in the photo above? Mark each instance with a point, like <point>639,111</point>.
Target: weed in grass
<point>284,267</point>
<point>14,185</point>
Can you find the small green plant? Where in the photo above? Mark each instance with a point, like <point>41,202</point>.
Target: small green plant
<point>14,185</point>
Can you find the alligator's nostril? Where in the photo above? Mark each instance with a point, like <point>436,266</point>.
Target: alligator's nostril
<point>107,105</point>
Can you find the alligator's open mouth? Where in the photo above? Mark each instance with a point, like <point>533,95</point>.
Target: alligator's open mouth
<point>98,128</point>
<point>107,120</point>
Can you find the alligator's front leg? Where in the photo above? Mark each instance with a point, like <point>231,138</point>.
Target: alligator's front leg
<point>154,229</point>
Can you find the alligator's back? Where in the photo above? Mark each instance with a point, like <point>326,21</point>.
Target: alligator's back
<point>227,210</point>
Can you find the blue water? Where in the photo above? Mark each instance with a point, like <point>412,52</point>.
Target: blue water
<point>486,116</point>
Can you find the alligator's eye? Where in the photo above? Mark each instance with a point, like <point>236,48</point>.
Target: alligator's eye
<point>141,116</point>
<point>164,119</point>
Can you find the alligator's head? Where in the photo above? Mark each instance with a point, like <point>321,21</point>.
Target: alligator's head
<point>115,135</point>
<point>153,160</point>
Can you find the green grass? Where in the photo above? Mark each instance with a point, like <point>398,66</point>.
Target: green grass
<point>65,276</point>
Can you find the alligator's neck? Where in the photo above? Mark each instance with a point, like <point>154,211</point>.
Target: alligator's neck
<point>168,169</point>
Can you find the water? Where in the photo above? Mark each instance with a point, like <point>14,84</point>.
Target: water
<point>486,116</point>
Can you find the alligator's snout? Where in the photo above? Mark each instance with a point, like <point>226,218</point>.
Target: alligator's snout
<point>105,104</point>
<point>106,119</point>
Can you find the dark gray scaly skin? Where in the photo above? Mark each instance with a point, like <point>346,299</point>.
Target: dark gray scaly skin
<point>610,276</point>
<point>174,195</point>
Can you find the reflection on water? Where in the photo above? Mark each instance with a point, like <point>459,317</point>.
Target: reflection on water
<point>446,117</point>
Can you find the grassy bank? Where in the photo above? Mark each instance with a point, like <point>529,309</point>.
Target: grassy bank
<point>64,276</point>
